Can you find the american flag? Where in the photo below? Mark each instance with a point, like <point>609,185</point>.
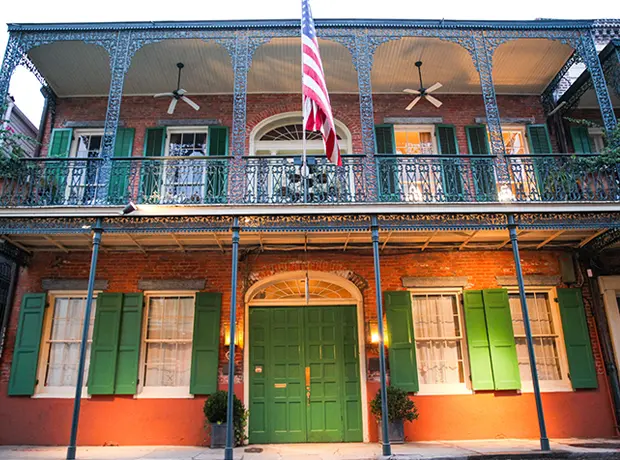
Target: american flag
<point>317,108</point>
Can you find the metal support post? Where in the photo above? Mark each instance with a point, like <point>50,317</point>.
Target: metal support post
<point>544,440</point>
<point>97,231</point>
<point>230,441</point>
<point>387,449</point>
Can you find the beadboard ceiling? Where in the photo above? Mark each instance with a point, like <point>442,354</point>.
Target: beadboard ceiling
<point>523,66</point>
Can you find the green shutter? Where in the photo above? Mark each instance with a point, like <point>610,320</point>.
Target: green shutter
<point>446,134</point>
<point>104,349</point>
<point>152,170</point>
<point>26,354</point>
<point>477,140</point>
<point>205,343</point>
<point>501,339</point>
<point>581,139</point>
<point>538,138</point>
<point>577,339</point>
<point>218,141</point>
<point>119,177</point>
<point>384,139</point>
<point>60,144</point>
<point>127,365</point>
<point>401,342</point>
<point>478,341</point>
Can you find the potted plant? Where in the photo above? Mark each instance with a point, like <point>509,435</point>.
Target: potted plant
<point>215,412</point>
<point>400,408</point>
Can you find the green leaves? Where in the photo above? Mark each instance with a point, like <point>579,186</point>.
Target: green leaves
<point>400,407</point>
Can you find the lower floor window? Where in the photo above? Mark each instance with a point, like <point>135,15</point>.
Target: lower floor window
<point>439,338</point>
<point>544,334</point>
<point>168,341</point>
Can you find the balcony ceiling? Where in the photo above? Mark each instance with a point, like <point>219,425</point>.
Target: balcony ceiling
<point>589,101</point>
<point>523,66</point>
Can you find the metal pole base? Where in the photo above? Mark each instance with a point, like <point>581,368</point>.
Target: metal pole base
<point>544,444</point>
<point>387,450</point>
<point>71,453</point>
<point>228,453</point>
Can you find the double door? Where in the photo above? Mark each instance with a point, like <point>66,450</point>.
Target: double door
<point>304,375</point>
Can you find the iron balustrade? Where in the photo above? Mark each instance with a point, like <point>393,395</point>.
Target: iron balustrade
<point>277,180</point>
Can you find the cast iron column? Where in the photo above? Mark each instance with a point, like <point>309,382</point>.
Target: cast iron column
<point>512,228</point>
<point>374,225</point>
<point>97,231</point>
<point>230,441</point>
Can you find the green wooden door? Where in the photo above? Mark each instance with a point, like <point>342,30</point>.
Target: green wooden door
<point>293,346</point>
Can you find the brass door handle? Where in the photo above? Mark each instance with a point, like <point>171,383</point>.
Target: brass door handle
<point>308,385</point>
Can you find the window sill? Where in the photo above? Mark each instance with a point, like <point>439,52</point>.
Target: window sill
<point>441,390</point>
<point>59,394</point>
<point>556,387</point>
<point>164,393</point>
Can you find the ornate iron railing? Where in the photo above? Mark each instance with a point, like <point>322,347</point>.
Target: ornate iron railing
<point>283,180</point>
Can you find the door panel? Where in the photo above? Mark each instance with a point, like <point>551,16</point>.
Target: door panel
<point>289,345</point>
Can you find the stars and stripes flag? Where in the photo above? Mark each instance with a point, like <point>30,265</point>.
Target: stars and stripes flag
<point>316,105</point>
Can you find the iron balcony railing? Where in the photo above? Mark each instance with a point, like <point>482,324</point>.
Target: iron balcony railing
<point>277,180</point>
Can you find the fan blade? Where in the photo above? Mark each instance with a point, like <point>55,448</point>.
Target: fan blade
<point>414,102</point>
<point>436,86</point>
<point>181,92</point>
<point>191,103</point>
<point>163,95</point>
<point>411,91</point>
<point>433,101</point>
<point>173,104</point>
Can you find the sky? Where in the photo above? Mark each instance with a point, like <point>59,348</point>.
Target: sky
<point>25,88</point>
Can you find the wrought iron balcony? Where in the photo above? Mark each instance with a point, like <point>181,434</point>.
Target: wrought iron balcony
<point>281,180</point>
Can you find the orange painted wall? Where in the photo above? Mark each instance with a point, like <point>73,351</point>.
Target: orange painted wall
<point>125,420</point>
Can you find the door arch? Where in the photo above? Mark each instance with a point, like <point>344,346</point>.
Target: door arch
<point>288,289</point>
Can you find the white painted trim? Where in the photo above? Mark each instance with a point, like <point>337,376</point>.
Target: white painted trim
<point>356,299</point>
<point>610,290</point>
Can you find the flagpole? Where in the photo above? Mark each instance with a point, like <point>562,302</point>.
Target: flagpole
<point>304,167</point>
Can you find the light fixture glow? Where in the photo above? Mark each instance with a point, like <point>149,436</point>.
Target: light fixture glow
<point>505,194</point>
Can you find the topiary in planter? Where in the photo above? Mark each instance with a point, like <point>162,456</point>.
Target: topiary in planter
<point>215,412</point>
<point>400,409</point>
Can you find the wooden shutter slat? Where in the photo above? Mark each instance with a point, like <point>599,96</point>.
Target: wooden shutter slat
<point>401,341</point>
<point>538,139</point>
<point>218,141</point>
<point>478,341</point>
<point>446,134</point>
<point>119,177</point>
<point>501,339</point>
<point>581,139</point>
<point>152,170</point>
<point>104,349</point>
<point>384,139</point>
<point>60,144</point>
<point>128,360</point>
<point>577,339</point>
<point>205,343</point>
<point>477,140</point>
<point>23,377</point>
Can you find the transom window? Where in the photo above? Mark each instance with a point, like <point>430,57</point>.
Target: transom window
<point>414,140</point>
<point>292,132</point>
<point>545,333</point>
<point>62,335</point>
<point>438,330</point>
<point>167,343</point>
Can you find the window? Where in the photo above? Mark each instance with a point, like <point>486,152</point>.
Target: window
<point>514,140</point>
<point>438,330</point>
<point>546,334</point>
<point>167,344</point>
<point>82,177</point>
<point>60,349</point>
<point>415,140</point>
<point>597,139</point>
<point>184,180</point>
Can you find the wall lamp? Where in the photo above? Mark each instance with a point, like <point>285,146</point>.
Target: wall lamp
<point>238,335</point>
<point>373,332</point>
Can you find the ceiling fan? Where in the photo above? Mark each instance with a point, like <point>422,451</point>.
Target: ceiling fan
<point>177,94</point>
<point>423,92</point>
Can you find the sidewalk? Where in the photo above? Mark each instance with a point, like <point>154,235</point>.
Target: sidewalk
<point>506,449</point>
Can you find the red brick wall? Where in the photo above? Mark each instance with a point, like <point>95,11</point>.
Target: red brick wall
<point>125,420</point>
<point>143,112</point>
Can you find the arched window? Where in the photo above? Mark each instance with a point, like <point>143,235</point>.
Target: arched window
<point>282,134</point>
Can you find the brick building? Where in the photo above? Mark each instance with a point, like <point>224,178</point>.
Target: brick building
<point>436,197</point>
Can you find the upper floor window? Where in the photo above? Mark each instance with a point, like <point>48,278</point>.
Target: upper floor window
<point>186,142</point>
<point>87,144</point>
<point>514,140</point>
<point>415,139</point>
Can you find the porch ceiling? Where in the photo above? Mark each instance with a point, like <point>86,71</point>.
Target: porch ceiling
<point>341,242</point>
<point>73,68</point>
<point>589,101</point>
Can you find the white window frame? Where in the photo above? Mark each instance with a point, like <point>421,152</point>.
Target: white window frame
<point>549,385</point>
<point>41,390</point>
<point>144,392</point>
<point>597,140</point>
<point>73,150</point>
<point>523,130</point>
<point>446,388</point>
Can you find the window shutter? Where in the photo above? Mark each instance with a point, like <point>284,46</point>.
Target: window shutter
<point>384,139</point>
<point>478,341</point>
<point>119,178</point>
<point>501,339</point>
<point>206,343</point>
<point>218,141</point>
<point>26,354</point>
<point>154,142</point>
<point>447,139</point>
<point>477,140</point>
<point>581,139</point>
<point>154,146</point>
<point>538,138</point>
<point>577,339</point>
<point>401,342</point>
<point>104,349</point>
<point>60,144</point>
<point>127,365</point>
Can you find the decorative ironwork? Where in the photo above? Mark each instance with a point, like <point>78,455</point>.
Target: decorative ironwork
<point>12,57</point>
<point>551,92</point>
